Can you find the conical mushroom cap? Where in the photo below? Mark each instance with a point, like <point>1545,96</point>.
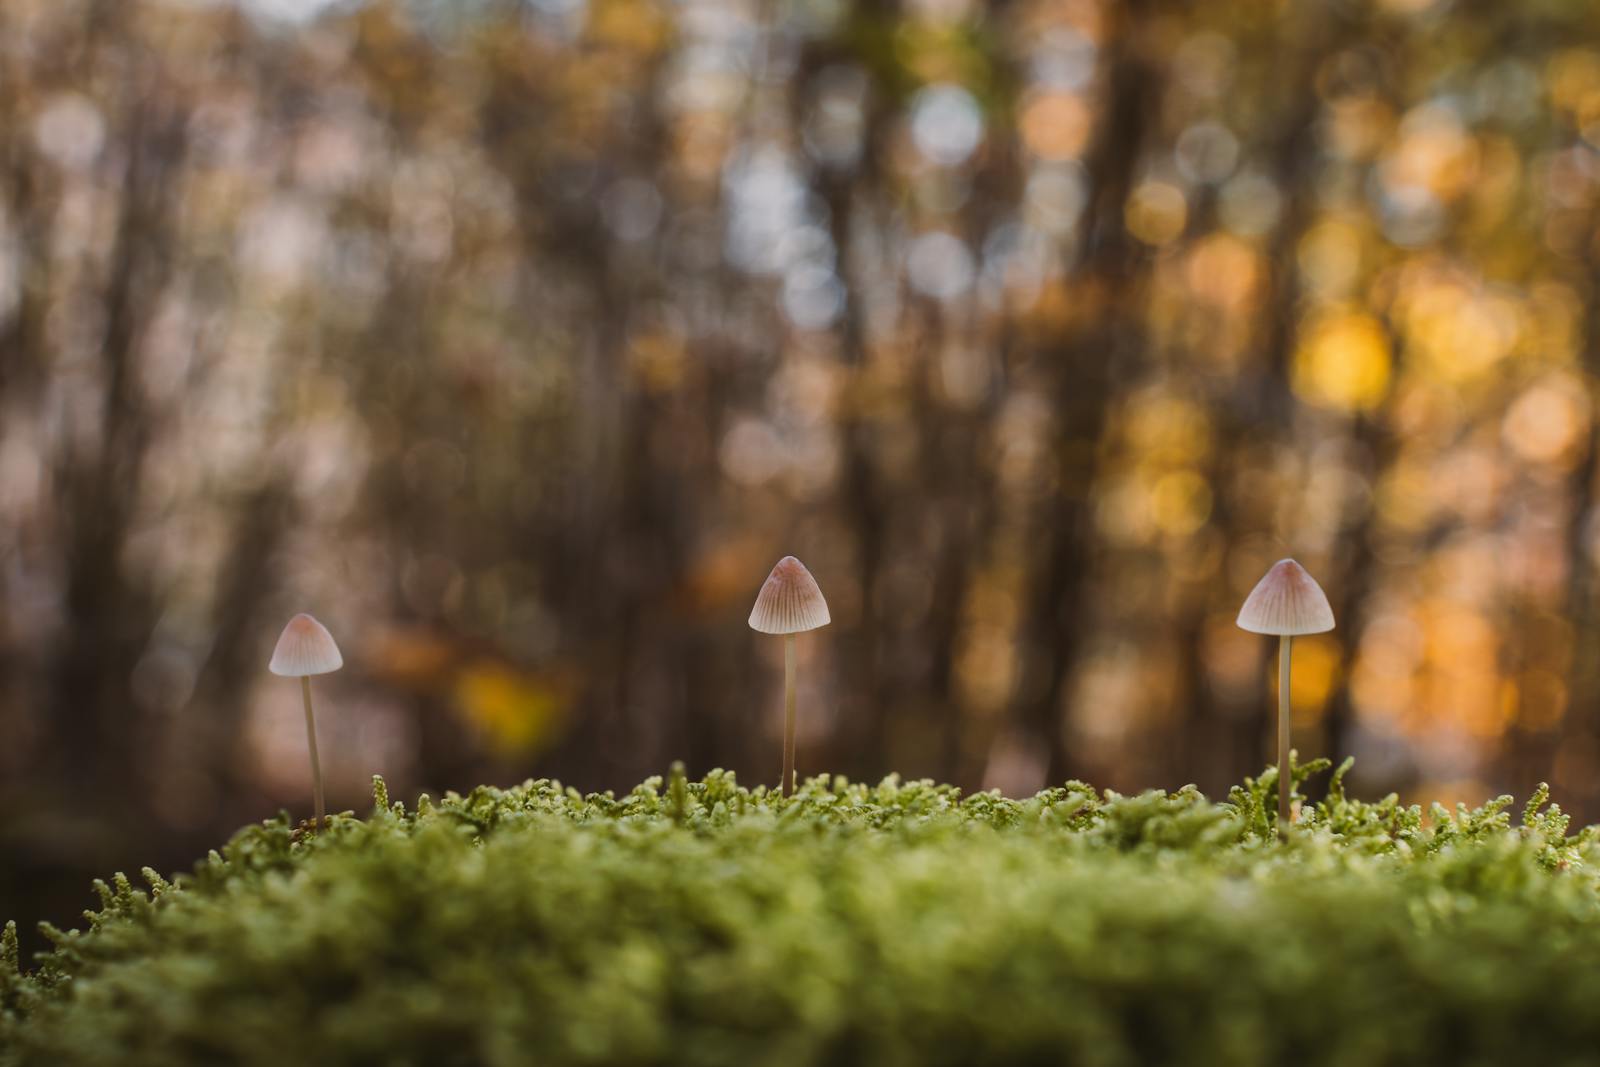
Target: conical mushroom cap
<point>305,647</point>
<point>790,601</point>
<point>1286,601</point>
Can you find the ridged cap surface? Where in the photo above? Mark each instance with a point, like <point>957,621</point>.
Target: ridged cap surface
<point>790,601</point>
<point>1286,601</point>
<point>305,647</point>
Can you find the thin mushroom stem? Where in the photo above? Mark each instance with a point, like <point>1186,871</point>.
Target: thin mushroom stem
<point>788,715</point>
<point>1284,643</point>
<point>311,742</point>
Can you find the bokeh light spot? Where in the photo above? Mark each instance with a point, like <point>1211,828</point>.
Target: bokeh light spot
<point>940,265</point>
<point>1157,213</point>
<point>1544,424</point>
<point>1343,362</point>
<point>946,124</point>
<point>1055,126</point>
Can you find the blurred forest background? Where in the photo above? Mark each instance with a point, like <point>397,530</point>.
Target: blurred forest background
<point>517,339</point>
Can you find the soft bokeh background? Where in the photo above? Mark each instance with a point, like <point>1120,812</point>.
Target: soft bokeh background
<point>516,340</point>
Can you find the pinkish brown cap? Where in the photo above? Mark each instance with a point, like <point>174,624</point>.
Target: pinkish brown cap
<point>1287,601</point>
<point>790,601</point>
<point>305,647</point>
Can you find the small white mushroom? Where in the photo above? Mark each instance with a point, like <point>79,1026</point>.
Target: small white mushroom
<point>790,602</point>
<point>1286,602</point>
<point>306,648</point>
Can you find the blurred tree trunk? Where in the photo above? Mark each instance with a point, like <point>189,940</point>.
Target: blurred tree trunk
<point>1371,447</point>
<point>618,530</point>
<point>248,577</point>
<point>1223,744</point>
<point>1582,606</point>
<point>850,192</point>
<point>1354,579</point>
<point>1085,367</point>
<point>110,614</point>
<point>29,204</point>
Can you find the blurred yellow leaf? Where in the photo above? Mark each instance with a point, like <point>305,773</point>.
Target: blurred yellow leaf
<point>1343,362</point>
<point>518,711</point>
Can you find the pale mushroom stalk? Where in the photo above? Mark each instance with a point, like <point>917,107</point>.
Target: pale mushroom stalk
<point>1284,643</point>
<point>311,743</point>
<point>1287,602</point>
<point>788,714</point>
<point>789,603</point>
<point>306,648</point>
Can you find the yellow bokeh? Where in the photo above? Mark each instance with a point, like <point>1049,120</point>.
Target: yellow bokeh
<point>1548,421</point>
<point>1344,362</point>
<point>1358,126</point>
<point>1571,76</point>
<point>1458,332</point>
<point>1055,126</point>
<point>1408,7</point>
<point>1470,700</point>
<point>1225,271</point>
<point>1382,692</point>
<point>1538,699</point>
<point>1434,153</point>
<point>1166,428</point>
<point>657,361</point>
<point>1458,637</point>
<point>1329,256</point>
<point>630,25</point>
<point>986,668</point>
<point>517,711</point>
<point>1157,213</point>
<point>1180,502</point>
<point>1311,681</point>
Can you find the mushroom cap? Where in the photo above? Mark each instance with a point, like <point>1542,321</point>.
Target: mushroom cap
<point>1286,601</point>
<point>789,601</point>
<point>305,647</point>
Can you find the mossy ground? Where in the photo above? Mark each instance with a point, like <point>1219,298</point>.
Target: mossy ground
<point>693,923</point>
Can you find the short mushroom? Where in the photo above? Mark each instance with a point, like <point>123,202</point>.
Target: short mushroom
<point>789,603</point>
<point>1286,602</point>
<point>305,648</point>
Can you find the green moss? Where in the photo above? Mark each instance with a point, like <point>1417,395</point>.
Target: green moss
<point>703,923</point>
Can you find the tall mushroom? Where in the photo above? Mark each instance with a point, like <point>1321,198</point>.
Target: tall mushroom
<point>1286,602</point>
<point>305,648</point>
<point>789,603</point>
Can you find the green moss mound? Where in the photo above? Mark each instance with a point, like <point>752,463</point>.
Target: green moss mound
<point>693,923</point>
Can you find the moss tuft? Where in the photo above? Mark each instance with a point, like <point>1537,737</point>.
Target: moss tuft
<point>703,923</point>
